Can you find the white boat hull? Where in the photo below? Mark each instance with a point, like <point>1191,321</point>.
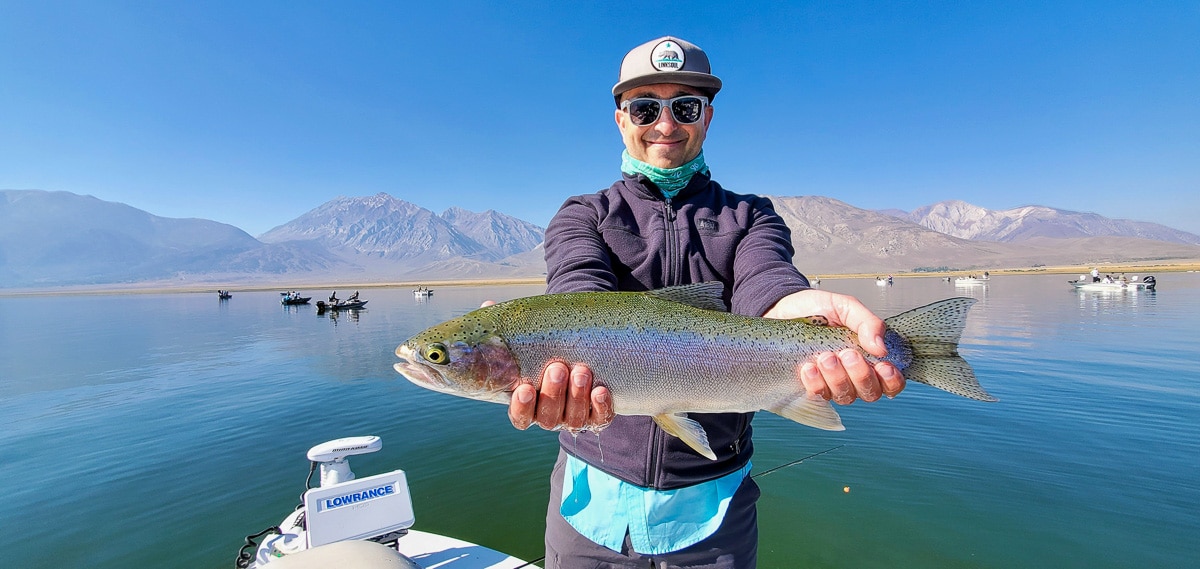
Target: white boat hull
<point>360,523</point>
<point>1111,287</point>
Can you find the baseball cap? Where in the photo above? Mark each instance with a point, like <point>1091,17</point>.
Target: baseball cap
<point>667,60</point>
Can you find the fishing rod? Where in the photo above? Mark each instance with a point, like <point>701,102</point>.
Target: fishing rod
<point>797,461</point>
<point>760,474</point>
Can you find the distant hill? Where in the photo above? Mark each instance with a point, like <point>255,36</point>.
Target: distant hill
<point>967,221</point>
<point>831,236</point>
<point>389,237</point>
<point>60,238</point>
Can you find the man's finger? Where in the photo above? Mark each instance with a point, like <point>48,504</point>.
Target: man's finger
<point>602,412</point>
<point>523,405</point>
<point>866,385</point>
<point>551,400</point>
<point>579,399</point>
<point>889,376</point>
<point>840,387</point>
<point>810,376</point>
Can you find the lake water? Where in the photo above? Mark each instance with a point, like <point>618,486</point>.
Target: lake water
<point>157,430</point>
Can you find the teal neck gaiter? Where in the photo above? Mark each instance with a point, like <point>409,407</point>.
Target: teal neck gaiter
<point>668,180</point>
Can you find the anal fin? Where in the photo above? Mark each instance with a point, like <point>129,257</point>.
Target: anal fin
<point>811,411</point>
<point>688,431</point>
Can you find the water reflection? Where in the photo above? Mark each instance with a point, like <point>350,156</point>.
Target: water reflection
<point>1099,299</point>
<point>1096,430</point>
<point>335,315</point>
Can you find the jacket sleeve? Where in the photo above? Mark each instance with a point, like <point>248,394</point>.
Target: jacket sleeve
<point>577,259</point>
<point>763,271</point>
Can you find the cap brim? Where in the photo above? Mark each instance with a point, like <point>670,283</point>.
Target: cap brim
<point>709,83</point>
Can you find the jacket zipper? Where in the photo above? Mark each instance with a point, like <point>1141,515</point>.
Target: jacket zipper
<point>669,279</point>
<point>672,252</point>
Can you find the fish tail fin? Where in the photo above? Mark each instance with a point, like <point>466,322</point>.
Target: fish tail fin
<point>928,337</point>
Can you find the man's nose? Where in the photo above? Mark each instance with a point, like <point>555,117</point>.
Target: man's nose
<point>666,122</point>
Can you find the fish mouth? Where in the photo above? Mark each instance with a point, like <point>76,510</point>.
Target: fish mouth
<point>429,377</point>
<point>421,374</point>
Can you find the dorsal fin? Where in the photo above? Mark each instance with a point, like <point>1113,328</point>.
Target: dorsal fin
<point>700,295</point>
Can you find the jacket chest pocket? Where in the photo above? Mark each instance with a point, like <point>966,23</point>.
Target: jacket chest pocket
<point>714,245</point>
<point>633,254</point>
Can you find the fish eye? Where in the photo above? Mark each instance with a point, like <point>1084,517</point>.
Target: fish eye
<point>435,354</point>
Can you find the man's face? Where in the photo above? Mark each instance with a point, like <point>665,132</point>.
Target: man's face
<point>665,143</point>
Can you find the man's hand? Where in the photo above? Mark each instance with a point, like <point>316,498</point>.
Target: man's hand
<point>566,400</point>
<point>843,376</point>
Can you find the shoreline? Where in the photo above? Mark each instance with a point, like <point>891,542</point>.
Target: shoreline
<point>1113,268</point>
<point>208,287</point>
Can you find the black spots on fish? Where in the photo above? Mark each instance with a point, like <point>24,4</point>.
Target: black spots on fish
<point>815,320</point>
<point>938,324</point>
<point>706,295</point>
<point>932,332</point>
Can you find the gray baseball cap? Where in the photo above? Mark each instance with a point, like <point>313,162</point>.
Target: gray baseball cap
<point>667,60</point>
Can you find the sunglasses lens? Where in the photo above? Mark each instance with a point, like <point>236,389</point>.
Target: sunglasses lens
<point>687,110</point>
<point>644,111</point>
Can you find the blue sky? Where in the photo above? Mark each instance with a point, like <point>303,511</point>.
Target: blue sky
<point>252,113</point>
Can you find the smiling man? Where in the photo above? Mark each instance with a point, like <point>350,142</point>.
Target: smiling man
<point>633,495</point>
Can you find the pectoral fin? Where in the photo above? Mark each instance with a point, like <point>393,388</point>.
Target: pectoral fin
<point>811,411</point>
<point>688,431</point>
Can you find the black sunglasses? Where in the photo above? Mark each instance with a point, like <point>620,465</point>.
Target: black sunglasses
<point>644,111</point>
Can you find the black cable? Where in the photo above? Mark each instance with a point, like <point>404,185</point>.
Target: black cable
<point>244,557</point>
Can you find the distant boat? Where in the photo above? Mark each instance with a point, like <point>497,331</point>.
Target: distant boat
<point>1131,285</point>
<point>289,299</point>
<point>971,280</point>
<point>322,306</point>
<point>422,291</point>
<point>224,294</point>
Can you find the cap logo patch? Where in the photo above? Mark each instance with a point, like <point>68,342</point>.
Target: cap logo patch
<point>667,56</point>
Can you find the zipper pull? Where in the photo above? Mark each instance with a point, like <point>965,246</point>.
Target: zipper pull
<point>670,210</point>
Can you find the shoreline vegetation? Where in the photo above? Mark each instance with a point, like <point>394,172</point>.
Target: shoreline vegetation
<point>160,287</point>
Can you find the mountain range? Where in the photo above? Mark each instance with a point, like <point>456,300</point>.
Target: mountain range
<point>61,238</point>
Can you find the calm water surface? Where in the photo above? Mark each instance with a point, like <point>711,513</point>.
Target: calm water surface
<point>156,430</point>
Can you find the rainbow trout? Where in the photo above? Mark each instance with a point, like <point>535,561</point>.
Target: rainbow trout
<point>672,351</point>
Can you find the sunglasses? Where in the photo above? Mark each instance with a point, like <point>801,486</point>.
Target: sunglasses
<point>644,111</point>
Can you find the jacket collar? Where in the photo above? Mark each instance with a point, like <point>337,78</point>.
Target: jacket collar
<point>645,189</point>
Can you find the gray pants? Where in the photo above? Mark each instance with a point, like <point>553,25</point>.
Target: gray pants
<point>733,546</point>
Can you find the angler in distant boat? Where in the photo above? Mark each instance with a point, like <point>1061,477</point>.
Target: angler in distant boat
<point>352,303</point>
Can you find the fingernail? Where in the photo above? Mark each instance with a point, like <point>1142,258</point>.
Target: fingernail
<point>828,361</point>
<point>886,372</point>
<point>847,356</point>
<point>580,381</point>
<point>524,396</point>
